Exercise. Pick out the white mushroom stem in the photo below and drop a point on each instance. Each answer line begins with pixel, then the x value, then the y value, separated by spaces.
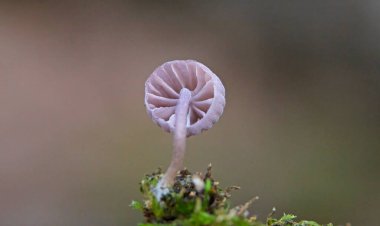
pixel 180 133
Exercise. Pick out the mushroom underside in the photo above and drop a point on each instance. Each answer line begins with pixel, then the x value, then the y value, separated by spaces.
pixel 165 85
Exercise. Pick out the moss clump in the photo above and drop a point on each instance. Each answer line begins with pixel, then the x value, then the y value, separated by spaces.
pixel 197 200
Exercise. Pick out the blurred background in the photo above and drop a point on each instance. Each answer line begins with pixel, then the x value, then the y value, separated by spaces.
pixel 300 129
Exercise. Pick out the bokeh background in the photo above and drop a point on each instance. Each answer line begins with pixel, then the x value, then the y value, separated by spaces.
pixel 300 129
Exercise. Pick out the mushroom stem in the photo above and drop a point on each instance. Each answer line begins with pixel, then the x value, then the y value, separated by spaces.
pixel 179 138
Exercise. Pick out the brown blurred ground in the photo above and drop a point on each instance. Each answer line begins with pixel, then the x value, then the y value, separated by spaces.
pixel 300 129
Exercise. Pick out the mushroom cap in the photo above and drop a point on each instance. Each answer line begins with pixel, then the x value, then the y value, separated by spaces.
pixel 162 90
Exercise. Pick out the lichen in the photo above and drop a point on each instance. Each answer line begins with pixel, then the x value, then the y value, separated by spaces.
pixel 194 202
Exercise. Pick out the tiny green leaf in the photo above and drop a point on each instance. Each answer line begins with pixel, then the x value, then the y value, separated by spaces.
pixel 136 205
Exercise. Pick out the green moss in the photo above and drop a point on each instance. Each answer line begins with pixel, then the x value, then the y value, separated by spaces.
pixel 200 204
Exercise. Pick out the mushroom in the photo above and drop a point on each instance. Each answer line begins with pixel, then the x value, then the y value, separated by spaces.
pixel 183 97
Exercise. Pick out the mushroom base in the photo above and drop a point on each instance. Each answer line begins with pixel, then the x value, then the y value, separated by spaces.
pixel 197 200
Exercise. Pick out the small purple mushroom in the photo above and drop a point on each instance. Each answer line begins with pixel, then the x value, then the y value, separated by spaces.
pixel 183 97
